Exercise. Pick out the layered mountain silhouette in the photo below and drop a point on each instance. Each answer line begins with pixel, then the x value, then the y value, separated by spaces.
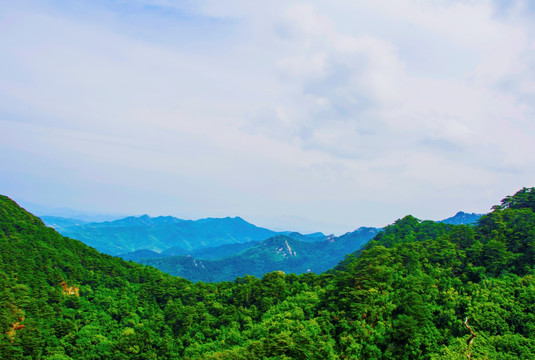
pixel 160 233
pixel 462 218
pixel 216 249
pixel 281 252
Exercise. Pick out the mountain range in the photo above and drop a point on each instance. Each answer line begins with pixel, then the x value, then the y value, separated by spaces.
pixel 160 233
pixel 217 249
pixel 417 290
pixel 68 213
pixel 462 218
pixel 281 252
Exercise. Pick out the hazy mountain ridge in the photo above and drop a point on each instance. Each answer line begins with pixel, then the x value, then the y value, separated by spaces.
pixel 278 253
pixel 150 237
pixel 139 255
pixel 58 222
pixel 462 218
pixel 68 213
pixel 220 251
pixel 211 252
pixel 160 233
pixel 317 236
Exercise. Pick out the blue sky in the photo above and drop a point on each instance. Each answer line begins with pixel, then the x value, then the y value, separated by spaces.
pixel 313 116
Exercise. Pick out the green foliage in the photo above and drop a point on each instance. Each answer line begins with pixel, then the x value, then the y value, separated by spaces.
pixel 404 296
pixel 524 198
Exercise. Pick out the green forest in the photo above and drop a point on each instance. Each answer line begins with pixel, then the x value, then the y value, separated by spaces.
pixel 418 290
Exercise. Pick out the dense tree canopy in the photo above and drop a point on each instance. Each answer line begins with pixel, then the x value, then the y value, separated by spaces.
pixel 405 295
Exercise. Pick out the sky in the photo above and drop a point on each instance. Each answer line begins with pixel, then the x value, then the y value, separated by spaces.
pixel 307 116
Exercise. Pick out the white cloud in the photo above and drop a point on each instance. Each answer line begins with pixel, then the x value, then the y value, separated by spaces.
pixel 340 112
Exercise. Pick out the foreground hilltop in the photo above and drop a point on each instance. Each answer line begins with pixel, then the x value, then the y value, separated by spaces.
pixel 406 295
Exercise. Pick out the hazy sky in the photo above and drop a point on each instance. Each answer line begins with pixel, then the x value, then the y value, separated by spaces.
pixel 311 116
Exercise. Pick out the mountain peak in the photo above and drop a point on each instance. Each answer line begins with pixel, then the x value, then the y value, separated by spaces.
pixel 462 218
pixel 282 245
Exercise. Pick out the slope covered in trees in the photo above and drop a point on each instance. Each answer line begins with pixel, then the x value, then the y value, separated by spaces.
pixel 406 295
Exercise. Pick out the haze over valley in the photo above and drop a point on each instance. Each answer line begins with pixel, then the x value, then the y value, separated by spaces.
pixel 214 249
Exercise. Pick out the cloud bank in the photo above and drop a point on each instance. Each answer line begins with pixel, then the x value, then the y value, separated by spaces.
pixel 289 114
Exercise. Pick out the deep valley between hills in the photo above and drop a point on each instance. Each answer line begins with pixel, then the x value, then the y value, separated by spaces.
pixel 218 249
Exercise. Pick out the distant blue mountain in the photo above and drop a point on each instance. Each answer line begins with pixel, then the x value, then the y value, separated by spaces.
pixel 212 249
pixel 211 252
pixel 215 249
pixel 318 236
pixel 68 213
pixel 280 252
pixel 217 252
pixel 462 218
pixel 160 233
pixel 58 222
pixel 141 254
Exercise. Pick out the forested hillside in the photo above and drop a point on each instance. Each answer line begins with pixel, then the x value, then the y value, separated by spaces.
pixel 406 295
